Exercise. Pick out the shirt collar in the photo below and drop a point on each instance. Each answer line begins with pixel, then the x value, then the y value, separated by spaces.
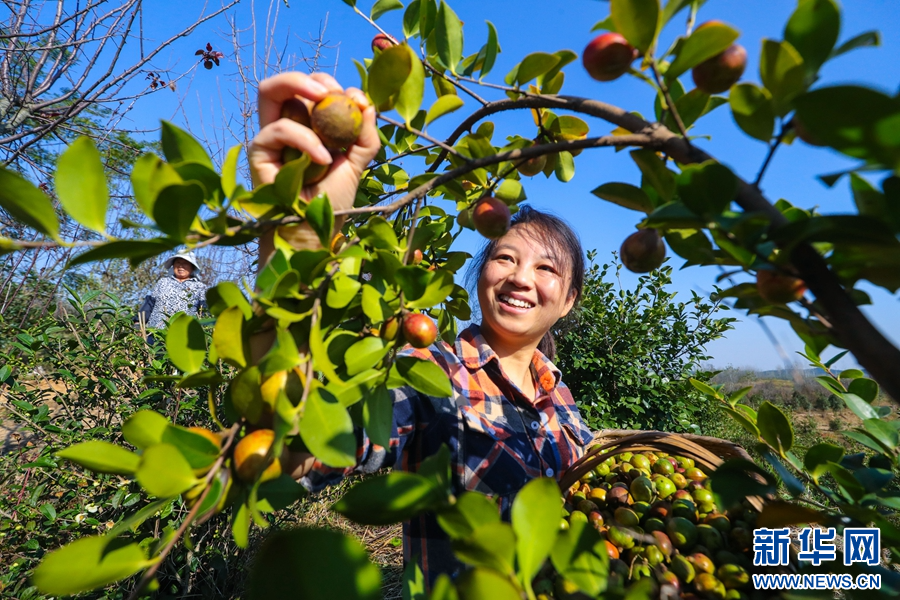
pixel 475 353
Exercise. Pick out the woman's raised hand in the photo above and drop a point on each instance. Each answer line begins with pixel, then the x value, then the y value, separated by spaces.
pixel 275 133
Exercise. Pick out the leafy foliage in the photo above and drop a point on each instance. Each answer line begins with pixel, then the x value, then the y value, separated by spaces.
pixel 627 355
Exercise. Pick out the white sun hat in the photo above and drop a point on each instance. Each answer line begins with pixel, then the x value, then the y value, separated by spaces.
pixel 188 256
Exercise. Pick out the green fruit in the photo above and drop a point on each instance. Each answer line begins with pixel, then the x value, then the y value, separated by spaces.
pixel 734 595
pixel 641 508
pixel 587 507
pixel 665 487
pixel 663 467
pixel 576 498
pixel 602 470
pixel 710 537
pixel 642 488
pixel 679 480
pixel 640 571
pixel 620 537
pixel 724 557
pixel 668 578
pixel 710 587
pixel 563 524
pixel 639 461
pixel 702 563
pixel 653 524
pixel 598 496
pixel 682 568
pixel 567 590
pixel 694 474
pixel 626 456
pixel 663 542
pixel 702 496
pixel 626 517
pixel 682 532
pixel 684 463
pixel 654 556
pixel 686 509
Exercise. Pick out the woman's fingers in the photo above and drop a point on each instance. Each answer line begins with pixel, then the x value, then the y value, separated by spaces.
pixel 328 81
pixel 265 151
pixel 275 90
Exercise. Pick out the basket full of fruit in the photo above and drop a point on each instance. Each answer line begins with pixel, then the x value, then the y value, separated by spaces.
pixel 648 495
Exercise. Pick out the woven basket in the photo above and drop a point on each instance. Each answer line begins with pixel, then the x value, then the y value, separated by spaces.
pixel 707 452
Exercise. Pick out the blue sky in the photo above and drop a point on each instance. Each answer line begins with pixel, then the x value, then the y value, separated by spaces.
pixel 528 26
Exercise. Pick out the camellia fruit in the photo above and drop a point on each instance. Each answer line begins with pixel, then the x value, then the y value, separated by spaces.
pixel 491 217
pixel 419 330
pixel 608 56
pixel 390 329
pixel 643 251
pixel 212 437
pixel 337 120
pixel 295 110
pixel 417 256
pixel 250 455
pixel 717 74
pixel 777 288
pixel 382 42
pixel 533 166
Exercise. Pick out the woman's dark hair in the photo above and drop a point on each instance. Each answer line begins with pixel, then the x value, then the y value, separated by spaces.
pixel 565 249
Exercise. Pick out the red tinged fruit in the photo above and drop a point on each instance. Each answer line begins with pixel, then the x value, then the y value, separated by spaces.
pixel 717 74
pixel 419 330
pixel 608 56
pixel 777 288
pixel 491 217
pixel 417 256
pixel 382 42
pixel 643 251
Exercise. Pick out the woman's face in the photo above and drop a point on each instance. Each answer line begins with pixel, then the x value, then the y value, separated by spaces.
pixel 523 289
pixel 182 268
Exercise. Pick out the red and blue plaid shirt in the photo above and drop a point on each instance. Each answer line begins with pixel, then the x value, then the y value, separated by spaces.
pixel 499 439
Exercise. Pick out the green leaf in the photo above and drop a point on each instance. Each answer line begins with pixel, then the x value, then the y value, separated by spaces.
pixel 534 65
pixel 176 207
pixel 748 425
pixel 27 204
pixel 199 451
pixel 580 556
pixel 136 251
pixel 101 457
pixel 817 458
pixel 229 170
pixel 391 498
pixel 782 72
pixel 327 429
pixel 364 354
pixel 186 343
pixel 383 6
pixel 672 8
pixel 707 188
pixel 774 427
pixel 471 511
pixel 245 394
pixel 655 172
pixel 164 472
pixel 448 36
pixel 228 336
pixel 813 30
pixel 411 18
pixel 492 546
pixel 279 493
pixel 565 166
pixel 87 564
pixel 443 106
pixel 144 429
pixel 313 563
pixel 492 48
pixel 793 485
pixel 865 388
pixel 320 217
pixel 225 295
pixel 436 291
pixel 868 39
pixel 477 584
pixel 704 43
pixel 149 175
pixel 341 291
pixel 374 306
pixel 510 190
pixel 409 98
pixel 535 521
pixel 705 388
pixel 735 479
pixel 860 407
pixel 753 111
pixel 388 72
pixel 847 481
pixel 883 432
pixel 636 20
pixel 81 184
pixel 378 415
pixel 179 146
pixel 424 376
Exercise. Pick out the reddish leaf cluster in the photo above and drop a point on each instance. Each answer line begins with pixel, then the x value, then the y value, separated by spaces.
pixel 208 56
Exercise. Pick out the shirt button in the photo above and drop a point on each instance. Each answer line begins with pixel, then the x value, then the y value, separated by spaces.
pixel 549 472
pixel 535 425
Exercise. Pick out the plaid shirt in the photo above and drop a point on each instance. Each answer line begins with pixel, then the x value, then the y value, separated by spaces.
pixel 499 439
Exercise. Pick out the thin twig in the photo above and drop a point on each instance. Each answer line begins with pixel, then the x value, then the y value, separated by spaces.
pixel 665 91
pixel 772 148
pixel 421 134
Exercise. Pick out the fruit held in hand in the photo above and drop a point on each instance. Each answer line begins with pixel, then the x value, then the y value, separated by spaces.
pixel 382 42
pixel 777 288
pixel 296 110
pixel 419 330
pixel 717 74
pixel 643 251
pixel 337 120
pixel 491 217
pixel 250 455
pixel 608 56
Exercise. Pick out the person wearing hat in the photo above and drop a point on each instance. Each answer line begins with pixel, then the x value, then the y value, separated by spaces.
pixel 179 290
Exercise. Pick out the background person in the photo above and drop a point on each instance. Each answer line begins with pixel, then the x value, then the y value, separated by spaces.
pixel 510 418
pixel 179 290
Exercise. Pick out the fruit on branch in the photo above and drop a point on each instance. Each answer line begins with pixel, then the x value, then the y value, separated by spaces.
pixel 717 74
pixel 250 457
pixel 491 217
pixel 212 437
pixel 390 330
pixel 295 110
pixel 337 242
pixel 419 330
pixel 533 166
pixel 608 56
pixel 643 251
pixel 382 42
pixel 777 288
pixel 337 120
pixel 417 257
